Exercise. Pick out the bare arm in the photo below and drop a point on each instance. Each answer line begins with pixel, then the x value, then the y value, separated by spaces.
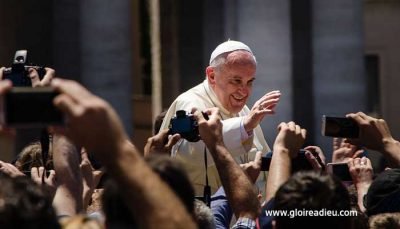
pixel 362 175
pixel 287 144
pixel 239 190
pixel 68 198
pixel 151 201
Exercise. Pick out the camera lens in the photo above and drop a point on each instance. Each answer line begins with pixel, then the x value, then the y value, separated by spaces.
pixel 20 59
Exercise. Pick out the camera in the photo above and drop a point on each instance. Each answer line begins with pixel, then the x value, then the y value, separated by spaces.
pixel 18 73
pixel 339 127
pixel 28 107
pixel 185 125
pixel 299 163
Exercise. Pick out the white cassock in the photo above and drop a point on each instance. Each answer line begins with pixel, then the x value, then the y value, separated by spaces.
pixel 242 146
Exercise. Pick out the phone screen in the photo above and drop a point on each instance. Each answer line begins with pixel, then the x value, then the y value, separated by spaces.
pixel 339 127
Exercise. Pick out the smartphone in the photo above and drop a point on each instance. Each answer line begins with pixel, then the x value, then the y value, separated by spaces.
pixel 340 170
pixel 299 163
pixel 27 107
pixel 341 127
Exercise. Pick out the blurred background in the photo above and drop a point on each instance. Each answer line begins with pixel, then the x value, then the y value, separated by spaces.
pixel 326 57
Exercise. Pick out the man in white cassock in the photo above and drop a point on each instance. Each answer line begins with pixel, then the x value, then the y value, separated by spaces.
pixel 228 85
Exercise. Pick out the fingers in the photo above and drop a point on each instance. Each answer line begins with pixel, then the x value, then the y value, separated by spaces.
pixel 67 105
pixel 258 158
pixel 172 141
pixel 1 72
pixel 52 175
pixel 268 101
pixel 5 85
pixel 313 161
pixel 336 143
pixel 358 153
pixel 358 117
pixel 71 88
pixel 34 76
pixel 50 74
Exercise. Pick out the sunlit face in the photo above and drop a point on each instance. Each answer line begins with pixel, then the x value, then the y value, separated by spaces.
pixel 232 82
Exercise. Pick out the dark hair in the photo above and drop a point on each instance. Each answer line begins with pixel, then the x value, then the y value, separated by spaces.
pixel 25 205
pixel 312 191
pixel 384 193
pixel 172 172
pixel 117 213
pixel 31 156
pixel 385 220
pixel 158 121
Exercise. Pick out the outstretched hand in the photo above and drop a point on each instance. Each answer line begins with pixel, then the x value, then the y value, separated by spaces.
pixel 265 105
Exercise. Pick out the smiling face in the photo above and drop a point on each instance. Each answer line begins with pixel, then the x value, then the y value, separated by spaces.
pixel 232 80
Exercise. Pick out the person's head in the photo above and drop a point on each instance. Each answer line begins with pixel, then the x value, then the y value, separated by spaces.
pixel 231 74
pixel 385 220
pixel 170 171
pixel 158 121
pixel 31 156
pixel 383 195
pixel 203 215
pixel 23 204
pixel 81 222
pixel 316 192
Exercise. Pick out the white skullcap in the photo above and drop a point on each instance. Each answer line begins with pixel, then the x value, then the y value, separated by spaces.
pixel 229 46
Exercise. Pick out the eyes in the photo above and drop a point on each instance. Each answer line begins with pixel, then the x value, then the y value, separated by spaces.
pixel 239 82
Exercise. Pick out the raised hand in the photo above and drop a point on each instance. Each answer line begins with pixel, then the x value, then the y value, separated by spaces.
pixel 265 105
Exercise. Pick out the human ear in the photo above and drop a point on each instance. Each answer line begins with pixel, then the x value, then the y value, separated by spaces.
pixel 210 73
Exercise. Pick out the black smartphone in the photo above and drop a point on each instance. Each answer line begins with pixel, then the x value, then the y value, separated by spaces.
pixel 27 107
pixel 299 163
pixel 341 170
pixel 341 127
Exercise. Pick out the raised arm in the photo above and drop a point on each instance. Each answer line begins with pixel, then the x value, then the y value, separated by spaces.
pixel 68 199
pixel 96 126
pixel 287 144
pixel 239 190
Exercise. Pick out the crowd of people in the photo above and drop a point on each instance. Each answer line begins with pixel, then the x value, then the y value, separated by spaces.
pixel 91 175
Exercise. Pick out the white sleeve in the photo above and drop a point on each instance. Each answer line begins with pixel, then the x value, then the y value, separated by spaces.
pixel 236 140
pixel 232 135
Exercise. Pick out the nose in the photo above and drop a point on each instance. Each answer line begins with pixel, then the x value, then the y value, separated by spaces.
pixel 243 90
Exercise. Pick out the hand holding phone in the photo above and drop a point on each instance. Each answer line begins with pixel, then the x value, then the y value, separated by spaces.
pixel 339 127
pixel 298 163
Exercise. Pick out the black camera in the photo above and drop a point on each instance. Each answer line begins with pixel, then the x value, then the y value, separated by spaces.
pixel 28 107
pixel 339 127
pixel 18 73
pixel 299 163
pixel 185 125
